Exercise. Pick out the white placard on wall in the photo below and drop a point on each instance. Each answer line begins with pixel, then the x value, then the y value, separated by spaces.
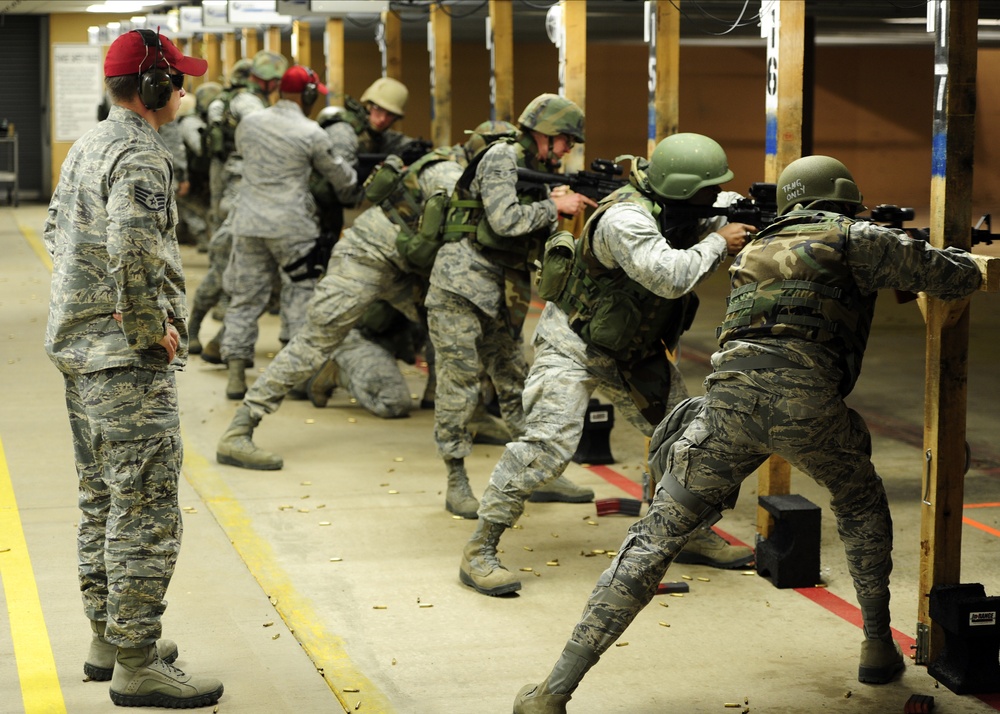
pixel 78 86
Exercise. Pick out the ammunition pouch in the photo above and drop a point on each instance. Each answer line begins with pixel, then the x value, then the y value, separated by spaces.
pixel 617 318
pixel 381 183
pixel 420 248
pixel 557 264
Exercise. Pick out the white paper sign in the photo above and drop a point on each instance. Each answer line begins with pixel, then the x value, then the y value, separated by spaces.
pixel 78 89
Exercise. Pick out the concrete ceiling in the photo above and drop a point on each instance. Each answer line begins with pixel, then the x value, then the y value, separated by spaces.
pixel 702 21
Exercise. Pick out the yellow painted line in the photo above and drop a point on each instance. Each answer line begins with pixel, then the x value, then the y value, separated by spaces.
pixel 36 667
pixel 35 241
pixel 326 650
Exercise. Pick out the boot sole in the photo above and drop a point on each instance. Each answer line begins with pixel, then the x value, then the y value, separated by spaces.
pixel 700 560
pixel 230 461
pixel 879 675
pixel 158 699
pixel 492 592
pixel 103 674
pixel 471 516
pixel 547 497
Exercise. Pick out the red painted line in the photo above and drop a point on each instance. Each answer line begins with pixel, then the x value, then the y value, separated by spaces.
pixel 821 596
pixel 981 505
pixel 981 526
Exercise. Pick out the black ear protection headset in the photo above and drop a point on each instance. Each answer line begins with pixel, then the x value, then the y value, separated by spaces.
pixel 310 92
pixel 155 87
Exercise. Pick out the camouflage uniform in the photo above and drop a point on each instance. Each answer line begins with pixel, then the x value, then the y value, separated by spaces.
pixel 365 266
pixel 475 311
pixel 566 370
pixel 110 232
pixel 193 208
pixel 275 222
pixel 778 389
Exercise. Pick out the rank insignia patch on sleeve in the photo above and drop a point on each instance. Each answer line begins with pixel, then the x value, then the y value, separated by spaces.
pixel 149 200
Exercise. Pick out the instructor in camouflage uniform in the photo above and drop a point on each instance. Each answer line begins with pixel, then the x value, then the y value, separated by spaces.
pixel 274 222
pixel 627 260
pixel 790 351
pixel 116 331
pixel 480 286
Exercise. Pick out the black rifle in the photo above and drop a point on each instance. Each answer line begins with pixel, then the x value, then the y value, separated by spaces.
pixel 894 217
pixel 409 153
pixel 597 183
pixel 759 210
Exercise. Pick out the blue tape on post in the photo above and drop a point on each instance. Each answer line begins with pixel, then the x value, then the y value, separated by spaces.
pixel 771 136
pixel 939 159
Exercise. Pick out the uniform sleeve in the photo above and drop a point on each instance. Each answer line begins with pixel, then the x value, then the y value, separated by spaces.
pixel 439 177
pixel 628 237
pixel 341 175
pixel 345 145
pixel 497 177
pixel 138 203
pixel 882 257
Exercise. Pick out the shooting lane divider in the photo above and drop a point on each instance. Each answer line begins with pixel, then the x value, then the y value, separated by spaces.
pixel 36 666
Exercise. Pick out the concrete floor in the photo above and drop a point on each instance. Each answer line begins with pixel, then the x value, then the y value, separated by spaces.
pixel 332 585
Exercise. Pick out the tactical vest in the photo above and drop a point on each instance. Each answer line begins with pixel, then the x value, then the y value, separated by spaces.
pixel 222 134
pixel 356 115
pixel 396 190
pixel 793 281
pixel 467 217
pixel 612 312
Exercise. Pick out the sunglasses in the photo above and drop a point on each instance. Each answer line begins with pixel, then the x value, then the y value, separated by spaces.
pixel 177 80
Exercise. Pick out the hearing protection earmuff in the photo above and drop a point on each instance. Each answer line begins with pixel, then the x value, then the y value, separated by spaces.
pixel 155 87
pixel 310 92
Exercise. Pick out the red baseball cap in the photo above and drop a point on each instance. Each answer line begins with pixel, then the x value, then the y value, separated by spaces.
pixel 129 55
pixel 296 77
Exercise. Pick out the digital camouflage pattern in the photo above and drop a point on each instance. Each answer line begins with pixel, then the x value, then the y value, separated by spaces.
pixel 110 233
pixel 566 370
pixel 552 115
pixel 274 223
pixel 795 412
pixel 365 266
pixel 473 318
pixel 371 374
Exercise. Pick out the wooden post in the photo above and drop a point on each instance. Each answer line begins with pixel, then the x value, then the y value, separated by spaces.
pixel 947 353
pixel 502 61
pixel 665 39
pixel 251 42
pixel 392 57
pixel 783 144
pixel 335 61
pixel 440 76
pixel 301 43
pixel 575 83
pixel 272 40
pixel 214 59
pixel 229 53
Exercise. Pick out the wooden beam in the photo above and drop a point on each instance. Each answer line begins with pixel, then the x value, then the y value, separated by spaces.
pixel 665 108
pixel 947 351
pixel 392 60
pixel 335 61
pixel 251 42
pixel 301 43
pixel 441 76
pixel 784 23
pixel 502 60
pixel 229 53
pixel 213 56
pixel 272 40
pixel 575 79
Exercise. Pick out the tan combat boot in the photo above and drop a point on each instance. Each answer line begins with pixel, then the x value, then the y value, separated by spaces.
pixel 321 385
pixel 551 696
pixel 100 663
pixel 236 387
pixel 561 490
pixel 142 679
pixel 706 547
pixel 459 499
pixel 236 447
pixel 481 569
pixel 881 658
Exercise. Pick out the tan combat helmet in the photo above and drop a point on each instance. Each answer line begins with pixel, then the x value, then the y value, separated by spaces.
pixel 240 74
pixel 388 93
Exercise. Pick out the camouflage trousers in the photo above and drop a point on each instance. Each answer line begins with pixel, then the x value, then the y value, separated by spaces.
pixel 467 341
pixel 248 279
pixel 353 281
pixel 371 374
pixel 209 291
pixel 747 417
pixel 127 446
pixel 556 395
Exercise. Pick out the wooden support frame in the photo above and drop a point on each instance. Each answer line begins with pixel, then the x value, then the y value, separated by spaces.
pixel 502 60
pixel 784 27
pixel 230 53
pixel 251 42
pixel 301 43
pixel 574 79
pixel 334 40
pixel 664 103
pixel 945 384
pixel 440 76
pixel 272 40
pixel 392 38
pixel 213 56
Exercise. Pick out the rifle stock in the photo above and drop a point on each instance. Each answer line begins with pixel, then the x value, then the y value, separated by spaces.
pixel 595 184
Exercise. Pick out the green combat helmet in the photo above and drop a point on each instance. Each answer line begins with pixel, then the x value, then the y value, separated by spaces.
pixel 388 93
pixel 816 178
pixel 268 65
pixel 486 133
pixel 240 74
pixel 552 115
pixel 683 164
pixel 205 94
